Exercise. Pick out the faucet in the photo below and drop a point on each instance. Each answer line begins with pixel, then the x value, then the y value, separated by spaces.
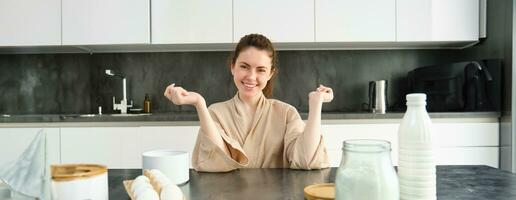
pixel 122 106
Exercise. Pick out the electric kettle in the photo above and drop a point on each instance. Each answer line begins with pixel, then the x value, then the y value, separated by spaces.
pixel 378 96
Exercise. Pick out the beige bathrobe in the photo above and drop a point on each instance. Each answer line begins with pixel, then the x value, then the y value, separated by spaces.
pixel 271 139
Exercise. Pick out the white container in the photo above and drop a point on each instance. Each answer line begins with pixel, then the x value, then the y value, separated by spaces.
pixel 174 164
pixel 417 174
pixel 366 171
pixel 80 181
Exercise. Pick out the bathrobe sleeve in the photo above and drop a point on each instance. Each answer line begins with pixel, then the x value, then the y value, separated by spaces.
pixel 208 157
pixel 294 148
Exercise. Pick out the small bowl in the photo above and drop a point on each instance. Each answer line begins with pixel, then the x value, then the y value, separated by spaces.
pixel 174 164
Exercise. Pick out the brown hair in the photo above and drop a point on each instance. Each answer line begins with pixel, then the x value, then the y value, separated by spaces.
pixel 262 43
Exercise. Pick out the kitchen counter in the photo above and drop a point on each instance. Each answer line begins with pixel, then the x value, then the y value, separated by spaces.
pixel 453 182
pixel 192 117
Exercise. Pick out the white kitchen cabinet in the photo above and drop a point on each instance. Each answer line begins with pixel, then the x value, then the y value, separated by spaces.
pixel 195 21
pixel 437 20
pixel 177 138
pixel 355 21
pixel 468 156
pixel 115 147
pixel 14 141
pixel 30 22
pixel 336 134
pixel 90 22
pixel 280 21
pixel 457 143
pixel 466 134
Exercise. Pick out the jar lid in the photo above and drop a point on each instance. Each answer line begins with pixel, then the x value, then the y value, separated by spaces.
pixel 322 191
pixel 69 172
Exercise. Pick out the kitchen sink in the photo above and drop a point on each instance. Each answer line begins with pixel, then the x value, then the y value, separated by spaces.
pixel 108 115
pixel 88 115
pixel 129 115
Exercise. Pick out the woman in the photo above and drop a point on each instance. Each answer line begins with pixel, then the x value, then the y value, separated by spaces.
pixel 250 130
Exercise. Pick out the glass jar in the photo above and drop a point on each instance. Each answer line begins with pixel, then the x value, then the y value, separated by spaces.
pixel 366 171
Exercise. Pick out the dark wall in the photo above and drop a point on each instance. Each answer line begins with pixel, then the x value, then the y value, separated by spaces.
pixel 40 84
pixel 75 83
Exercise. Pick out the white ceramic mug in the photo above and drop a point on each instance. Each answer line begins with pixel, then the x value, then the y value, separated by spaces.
pixel 174 164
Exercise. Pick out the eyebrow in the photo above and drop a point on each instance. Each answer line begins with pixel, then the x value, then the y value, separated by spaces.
pixel 244 63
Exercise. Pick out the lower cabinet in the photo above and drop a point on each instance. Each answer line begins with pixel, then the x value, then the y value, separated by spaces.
pixel 122 147
pixel 334 136
pixel 14 141
pixel 115 147
pixel 177 138
pixel 456 143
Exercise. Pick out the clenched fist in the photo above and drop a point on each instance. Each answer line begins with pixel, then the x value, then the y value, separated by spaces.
pixel 180 96
pixel 321 94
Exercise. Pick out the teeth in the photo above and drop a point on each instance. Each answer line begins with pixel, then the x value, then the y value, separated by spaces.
pixel 249 85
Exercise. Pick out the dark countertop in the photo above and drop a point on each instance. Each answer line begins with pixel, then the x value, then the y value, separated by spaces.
pixel 191 116
pixel 453 182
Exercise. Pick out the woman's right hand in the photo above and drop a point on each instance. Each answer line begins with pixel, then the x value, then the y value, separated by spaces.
pixel 180 96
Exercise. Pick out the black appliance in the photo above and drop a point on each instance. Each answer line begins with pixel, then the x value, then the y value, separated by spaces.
pixel 461 86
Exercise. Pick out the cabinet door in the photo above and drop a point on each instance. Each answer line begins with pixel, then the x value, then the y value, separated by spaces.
pixel 178 138
pixel 355 21
pixel 468 156
pixel 280 21
pixel 437 20
pixel 336 134
pixel 115 147
pixel 14 141
pixel 466 134
pixel 30 22
pixel 457 143
pixel 105 22
pixel 194 21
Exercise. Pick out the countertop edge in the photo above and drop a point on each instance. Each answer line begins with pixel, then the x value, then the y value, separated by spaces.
pixel 196 123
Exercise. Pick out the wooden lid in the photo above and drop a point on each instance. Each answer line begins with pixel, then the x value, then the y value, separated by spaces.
pixel 322 191
pixel 71 172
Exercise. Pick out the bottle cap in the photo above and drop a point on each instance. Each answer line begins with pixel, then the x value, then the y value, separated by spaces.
pixel 416 97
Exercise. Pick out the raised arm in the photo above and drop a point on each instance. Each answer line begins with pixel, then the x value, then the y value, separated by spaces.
pixel 180 96
pixel 311 136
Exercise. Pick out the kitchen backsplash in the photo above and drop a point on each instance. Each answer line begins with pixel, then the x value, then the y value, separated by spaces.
pixel 76 83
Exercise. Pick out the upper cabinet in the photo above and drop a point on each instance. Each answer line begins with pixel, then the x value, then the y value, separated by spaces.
pixel 30 22
pixel 90 22
pixel 194 21
pixel 355 20
pixel 280 21
pixel 437 20
pixel 197 25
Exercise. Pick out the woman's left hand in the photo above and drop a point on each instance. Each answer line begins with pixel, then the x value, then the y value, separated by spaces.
pixel 322 93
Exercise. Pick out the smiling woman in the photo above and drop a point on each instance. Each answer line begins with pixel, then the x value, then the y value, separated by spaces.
pixel 252 130
pixel 259 56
